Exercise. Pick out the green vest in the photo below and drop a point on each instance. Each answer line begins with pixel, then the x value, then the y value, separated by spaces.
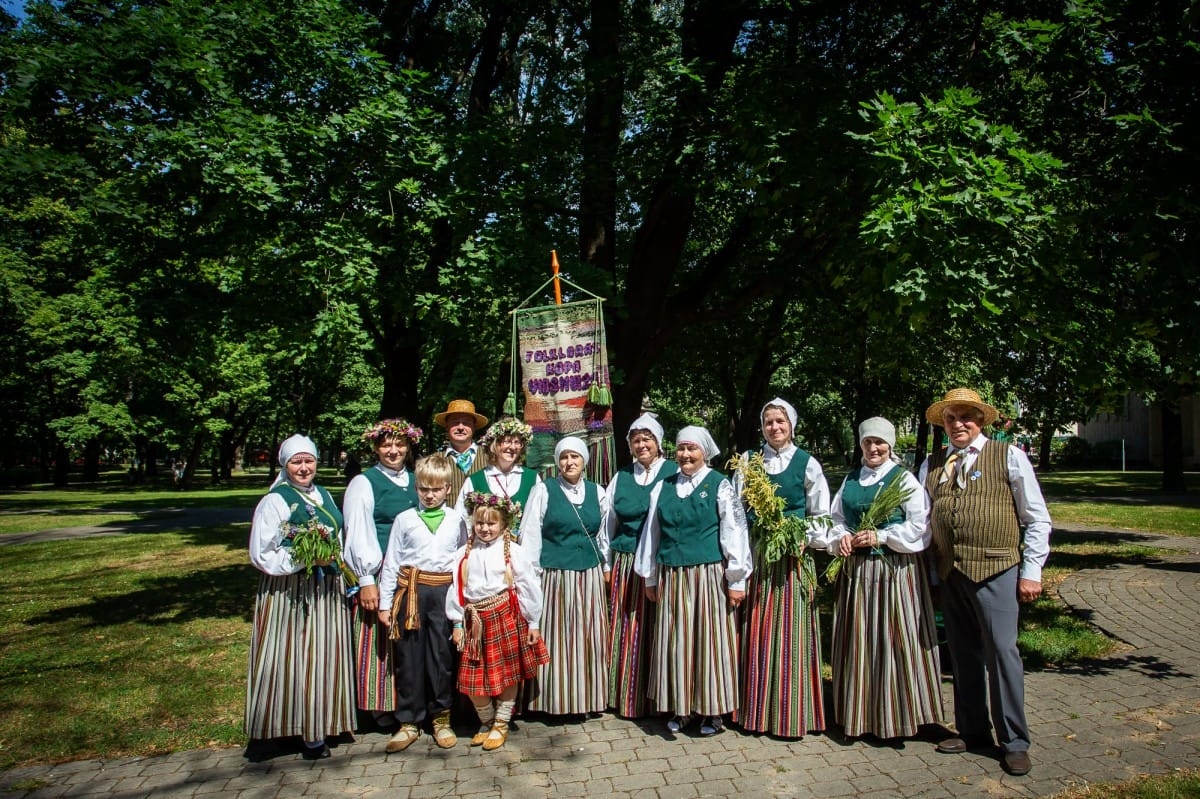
pixel 569 532
pixel 791 484
pixel 328 514
pixel 480 483
pixel 690 528
pixel 856 497
pixel 390 501
pixel 975 528
pixel 631 503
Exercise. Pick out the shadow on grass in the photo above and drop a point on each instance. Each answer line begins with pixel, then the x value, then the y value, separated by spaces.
pixel 223 592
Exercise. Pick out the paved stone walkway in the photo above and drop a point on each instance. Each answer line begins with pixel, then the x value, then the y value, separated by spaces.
pixel 1132 714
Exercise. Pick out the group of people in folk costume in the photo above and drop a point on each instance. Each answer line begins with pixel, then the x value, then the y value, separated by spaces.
pixel 644 596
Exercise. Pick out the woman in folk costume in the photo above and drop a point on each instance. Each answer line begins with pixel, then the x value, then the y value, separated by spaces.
pixel 372 502
pixel 495 604
pixel 412 595
pixel 631 615
pixel 563 531
pixel 886 675
pixel 505 444
pixel 300 680
pixel 694 555
pixel 782 645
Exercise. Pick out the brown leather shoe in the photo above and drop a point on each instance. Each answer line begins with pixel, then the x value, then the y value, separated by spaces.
pixel 1017 763
pixel 964 743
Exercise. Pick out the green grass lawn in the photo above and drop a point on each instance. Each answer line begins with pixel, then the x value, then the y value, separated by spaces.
pixel 1125 500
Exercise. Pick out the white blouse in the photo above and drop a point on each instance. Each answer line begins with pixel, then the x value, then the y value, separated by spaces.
pixel 362 553
pixel 534 513
pixel 485 578
pixel 266 533
pixel 734 533
pixel 911 535
pixel 503 484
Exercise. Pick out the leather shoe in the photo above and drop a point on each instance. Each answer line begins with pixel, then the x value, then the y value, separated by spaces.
pixel 964 743
pixel 1017 763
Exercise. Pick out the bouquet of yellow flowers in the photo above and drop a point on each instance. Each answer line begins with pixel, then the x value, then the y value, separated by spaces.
pixel 772 534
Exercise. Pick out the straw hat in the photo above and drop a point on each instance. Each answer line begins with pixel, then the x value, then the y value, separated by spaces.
pixel 960 396
pixel 460 406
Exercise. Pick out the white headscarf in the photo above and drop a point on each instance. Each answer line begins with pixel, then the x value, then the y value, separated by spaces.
pixel 694 434
pixel 572 444
pixel 649 423
pixel 878 427
pixel 289 449
pixel 788 411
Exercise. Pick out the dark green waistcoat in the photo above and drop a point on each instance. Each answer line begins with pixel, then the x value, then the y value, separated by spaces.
pixel 690 528
pixel 390 501
pixel 569 532
pixel 856 497
pixel 327 514
pixel 482 485
pixel 791 485
pixel 975 528
pixel 631 503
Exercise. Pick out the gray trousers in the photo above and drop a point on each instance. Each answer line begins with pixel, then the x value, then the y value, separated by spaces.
pixel 981 632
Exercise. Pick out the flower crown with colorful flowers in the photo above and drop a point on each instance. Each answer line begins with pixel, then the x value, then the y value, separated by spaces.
pixel 392 428
pixel 478 499
pixel 508 426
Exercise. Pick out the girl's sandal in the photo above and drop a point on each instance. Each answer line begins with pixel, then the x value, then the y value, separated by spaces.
pixel 496 738
pixel 481 736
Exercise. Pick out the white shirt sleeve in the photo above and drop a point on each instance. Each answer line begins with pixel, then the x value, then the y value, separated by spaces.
pixel 816 489
pixel 645 560
pixel 362 553
pixel 528 585
pixel 603 540
pixel 454 609
pixel 391 564
pixel 827 538
pixel 1031 512
pixel 265 536
pixel 531 524
pixel 914 533
pixel 734 535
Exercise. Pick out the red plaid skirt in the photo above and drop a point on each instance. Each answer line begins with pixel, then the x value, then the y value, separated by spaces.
pixel 505 658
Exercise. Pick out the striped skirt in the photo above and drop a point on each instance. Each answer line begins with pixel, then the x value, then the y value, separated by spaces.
pixel 694 664
pixel 301 675
pixel 886 674
pixel 373 655
pixel 631 627
pixel 575 628
pixel 782 652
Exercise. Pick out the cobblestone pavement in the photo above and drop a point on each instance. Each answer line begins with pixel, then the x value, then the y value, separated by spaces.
pixel 1131 714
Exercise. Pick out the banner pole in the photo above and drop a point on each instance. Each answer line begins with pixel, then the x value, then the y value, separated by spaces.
pixel 554 270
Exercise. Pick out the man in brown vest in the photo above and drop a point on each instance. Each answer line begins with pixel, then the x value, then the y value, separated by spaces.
pixel 461 422
pixel 991 536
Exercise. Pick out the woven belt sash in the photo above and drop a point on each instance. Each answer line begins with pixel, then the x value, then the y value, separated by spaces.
pixel 406 597
pixel 473 623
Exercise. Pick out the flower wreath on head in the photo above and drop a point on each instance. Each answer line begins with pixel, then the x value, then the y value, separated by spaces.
pixel 508 426
pixel 478 499
pixel 392 428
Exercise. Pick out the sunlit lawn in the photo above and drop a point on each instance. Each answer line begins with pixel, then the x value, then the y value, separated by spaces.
pixel 1124 500
pixel 123 645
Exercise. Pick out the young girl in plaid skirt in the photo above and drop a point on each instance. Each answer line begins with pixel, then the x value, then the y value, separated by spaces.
pixel 495 605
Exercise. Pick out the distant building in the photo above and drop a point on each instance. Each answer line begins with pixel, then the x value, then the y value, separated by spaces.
pixel 1136 427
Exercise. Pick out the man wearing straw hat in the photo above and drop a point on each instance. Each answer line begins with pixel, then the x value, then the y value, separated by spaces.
pixel 991 536
pixel 460 422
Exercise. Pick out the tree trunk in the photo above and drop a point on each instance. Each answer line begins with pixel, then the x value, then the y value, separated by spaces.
pixel 91 461
pixel 923 440
pixel 1172 448
pixel 1045 440
pixel 62 464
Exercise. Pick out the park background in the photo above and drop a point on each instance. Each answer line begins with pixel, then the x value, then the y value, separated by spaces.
pixel 223 222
